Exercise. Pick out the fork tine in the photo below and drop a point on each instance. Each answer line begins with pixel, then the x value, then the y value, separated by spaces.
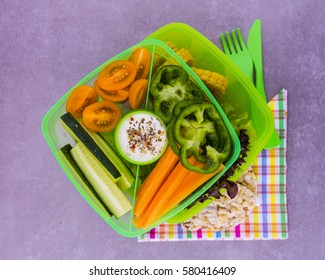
pixel 224 44
pixel 234 38
pixel 241 40
pixel 231 46
pixel 235 48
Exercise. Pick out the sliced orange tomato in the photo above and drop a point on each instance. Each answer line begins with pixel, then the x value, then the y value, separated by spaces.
pixel 137 93
pixel 111 95
pixel 101 116
pixel 141 57
pixel 117 75
pixel 80 98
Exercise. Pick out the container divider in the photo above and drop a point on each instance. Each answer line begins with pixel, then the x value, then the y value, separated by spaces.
pixel 136 183
pixel 150 74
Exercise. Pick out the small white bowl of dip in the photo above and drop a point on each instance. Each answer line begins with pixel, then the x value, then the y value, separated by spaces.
pixel 141 137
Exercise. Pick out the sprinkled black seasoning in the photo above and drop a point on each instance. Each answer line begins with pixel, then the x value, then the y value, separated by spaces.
pixel 143 136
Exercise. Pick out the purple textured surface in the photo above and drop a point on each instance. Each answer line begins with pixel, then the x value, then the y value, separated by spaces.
pixel 47 46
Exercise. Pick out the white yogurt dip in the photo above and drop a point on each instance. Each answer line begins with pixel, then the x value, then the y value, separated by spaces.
pixel 141 137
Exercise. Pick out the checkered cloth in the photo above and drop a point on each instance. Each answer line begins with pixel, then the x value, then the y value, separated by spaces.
pixel 268 220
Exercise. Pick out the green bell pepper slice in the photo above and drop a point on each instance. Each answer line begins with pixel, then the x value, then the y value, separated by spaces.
pixel 170 85
pixel 200 131
pixel 179 107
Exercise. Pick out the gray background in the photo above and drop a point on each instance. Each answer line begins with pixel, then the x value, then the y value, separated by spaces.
pixel 47 46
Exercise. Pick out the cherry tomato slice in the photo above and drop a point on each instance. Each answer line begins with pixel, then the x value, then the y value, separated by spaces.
pixel 141 57
pixel 137 94
pixel 101 116
pixel 112 95
pixel 117 75
pixel 80 98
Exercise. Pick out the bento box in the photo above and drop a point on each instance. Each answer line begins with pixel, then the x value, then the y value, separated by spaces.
pixel 58 137
pixel 241 96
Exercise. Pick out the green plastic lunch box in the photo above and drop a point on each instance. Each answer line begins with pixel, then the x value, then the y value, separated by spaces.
pixel 240 93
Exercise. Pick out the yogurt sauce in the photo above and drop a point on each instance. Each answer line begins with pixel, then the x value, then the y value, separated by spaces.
pixel 141 137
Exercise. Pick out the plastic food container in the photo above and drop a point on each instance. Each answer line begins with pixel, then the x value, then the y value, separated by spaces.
pixel 57 137
pixel 240 93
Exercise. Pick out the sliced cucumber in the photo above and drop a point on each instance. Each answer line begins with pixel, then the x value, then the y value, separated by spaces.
pixel 127 179
pixel 79 134
pixel 69 161
pixel 101 181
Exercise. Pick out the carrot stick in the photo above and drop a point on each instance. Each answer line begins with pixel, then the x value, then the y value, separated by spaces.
pixel 189 185
pixel 154 181
pixel 158 203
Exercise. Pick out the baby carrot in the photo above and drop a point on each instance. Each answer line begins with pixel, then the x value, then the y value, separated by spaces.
pixel 154 181
pixel 158 203
pixel 190 183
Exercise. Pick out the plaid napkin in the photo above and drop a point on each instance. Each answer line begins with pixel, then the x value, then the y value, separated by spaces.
pixel 268 220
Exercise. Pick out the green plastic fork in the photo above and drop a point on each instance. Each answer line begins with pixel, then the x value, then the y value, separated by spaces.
pixel 237 51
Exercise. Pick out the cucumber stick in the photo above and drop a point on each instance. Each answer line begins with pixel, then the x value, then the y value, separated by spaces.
pixel 65 152
pixel 79 134
pixel 127 179
pixel 101 181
